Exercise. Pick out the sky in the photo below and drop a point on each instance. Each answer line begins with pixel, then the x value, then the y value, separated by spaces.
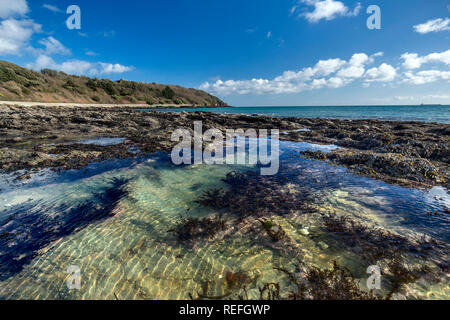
pixel 247 52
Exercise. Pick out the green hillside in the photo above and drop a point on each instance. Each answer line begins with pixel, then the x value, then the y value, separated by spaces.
pixel 20 84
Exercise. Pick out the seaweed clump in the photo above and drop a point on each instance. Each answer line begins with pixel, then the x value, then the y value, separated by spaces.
pixel 400 276
pixel 275 232
pixel 27 230
pixel 337 283
pixel 191 228
pixel 376 244
pixel 254 195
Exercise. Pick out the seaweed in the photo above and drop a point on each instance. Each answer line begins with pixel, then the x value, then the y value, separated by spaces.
pixel 29 230
pixel 301 288
pixel 253 195
pixel 270 291
pixel 191 228
pixel 337 283
pixel 275 231
pixel 376 243
pixel 400 276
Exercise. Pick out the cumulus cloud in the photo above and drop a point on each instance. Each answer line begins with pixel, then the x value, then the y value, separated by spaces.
pixel 108 68
pixel 15 29
pixel 355 67
pixel 414 61
pixel 328 10
pixel 337 73
pixel 426 76
pixel 331 73
pixel 383 73
pixel 435 25
pixel 78 67
pixel 11 8
pixel 15 34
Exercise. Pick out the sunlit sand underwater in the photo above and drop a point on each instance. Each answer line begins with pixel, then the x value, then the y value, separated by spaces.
pixel 114 219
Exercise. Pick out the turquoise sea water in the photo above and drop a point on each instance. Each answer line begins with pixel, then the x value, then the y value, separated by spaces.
pixel 440 114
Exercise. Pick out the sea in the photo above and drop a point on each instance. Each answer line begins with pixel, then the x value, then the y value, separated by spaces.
pixel 423 113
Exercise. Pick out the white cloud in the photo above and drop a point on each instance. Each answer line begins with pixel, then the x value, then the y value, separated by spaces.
pixel 53 46
pixel 78 67
pixel 42 62
pixel 51 8
pixel 337 73
pixel 15 34
pixel 435 25
pixel 414 61
pixel 10 8
pixel 331 73
pixel 355 67
pixel 383 73
pixel 326 67
pixel 426 76
pixel 328 10
pixel 108 68
pixel 269 34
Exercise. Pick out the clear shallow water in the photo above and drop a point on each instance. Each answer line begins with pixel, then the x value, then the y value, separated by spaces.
pixel 112 221
pixel 440 114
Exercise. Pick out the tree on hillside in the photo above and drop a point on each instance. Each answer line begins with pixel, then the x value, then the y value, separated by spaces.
pixel 168 93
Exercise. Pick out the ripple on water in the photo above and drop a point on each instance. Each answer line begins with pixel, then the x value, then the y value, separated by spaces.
pixel 131 254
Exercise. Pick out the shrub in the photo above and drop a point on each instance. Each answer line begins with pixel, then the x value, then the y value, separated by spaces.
pixel 96 98
pixel 108 86
pixel 49 72
pixel 92 84
pixel 69 84
pixel 7 74
pixel 168 93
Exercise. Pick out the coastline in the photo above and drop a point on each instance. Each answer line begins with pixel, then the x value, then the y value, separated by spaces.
pixel 410 154
pixel 102 105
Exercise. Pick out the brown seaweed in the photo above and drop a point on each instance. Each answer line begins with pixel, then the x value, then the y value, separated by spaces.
pixel 191 228
pixel 254 195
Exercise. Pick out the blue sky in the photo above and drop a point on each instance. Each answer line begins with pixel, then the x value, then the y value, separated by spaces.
pixel 248 52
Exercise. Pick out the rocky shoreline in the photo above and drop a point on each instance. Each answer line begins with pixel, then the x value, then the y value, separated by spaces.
pixel 410 154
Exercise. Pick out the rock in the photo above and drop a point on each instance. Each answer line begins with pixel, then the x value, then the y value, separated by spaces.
pixel 304 231
pixel 322 245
